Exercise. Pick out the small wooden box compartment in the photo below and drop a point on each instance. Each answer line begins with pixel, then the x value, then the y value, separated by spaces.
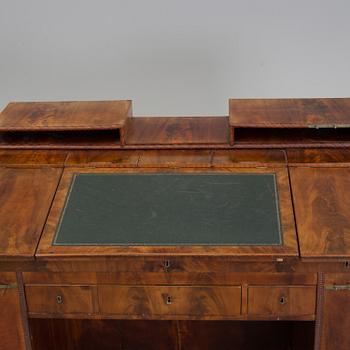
pixel 289 122
pixel 59 299
pixel 64 125
pixel 152 301
pixel 283 301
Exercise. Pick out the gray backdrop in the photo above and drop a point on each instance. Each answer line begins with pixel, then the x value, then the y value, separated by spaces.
pixel 183 57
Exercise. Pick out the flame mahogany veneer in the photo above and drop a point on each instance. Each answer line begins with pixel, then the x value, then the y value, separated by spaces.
pixel 291 295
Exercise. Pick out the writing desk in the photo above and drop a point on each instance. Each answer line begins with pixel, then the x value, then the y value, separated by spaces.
pixel 175 233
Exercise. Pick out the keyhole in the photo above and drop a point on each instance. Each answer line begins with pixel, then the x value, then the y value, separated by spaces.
pixel 168 300
pixel 59 299
pixel 283 300
pixel 166 265
pixel 347 264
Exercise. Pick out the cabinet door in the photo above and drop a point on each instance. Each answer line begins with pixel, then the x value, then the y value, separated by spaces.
pixel 335 333
pixel 11 331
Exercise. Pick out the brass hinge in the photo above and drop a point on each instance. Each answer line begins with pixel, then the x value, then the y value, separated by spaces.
pixel 8 286
pixel 337 287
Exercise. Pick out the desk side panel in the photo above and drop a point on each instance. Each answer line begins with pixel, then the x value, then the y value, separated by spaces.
pixel 335 333
pixel 11 328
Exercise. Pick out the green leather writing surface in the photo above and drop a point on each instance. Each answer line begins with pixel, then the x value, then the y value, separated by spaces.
pixel 171 209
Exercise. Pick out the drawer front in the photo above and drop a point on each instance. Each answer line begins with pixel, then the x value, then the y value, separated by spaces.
pixel 282 301
pixel 173 300
pixel 59 299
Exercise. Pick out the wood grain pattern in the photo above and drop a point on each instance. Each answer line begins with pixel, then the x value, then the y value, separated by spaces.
pixel 72 115
pixel 177 131
pixel 170 278
pixel 25 199
pixel 248 158
pixel 336 315
pixel 324 193
pixel 103 159
pixel 288 248
pixel 74 299
pixel 153 301
pixel 175 158
pixel 282 301
pixel 319 157
pixel 11 329
pixel 32 158
pixel 289 112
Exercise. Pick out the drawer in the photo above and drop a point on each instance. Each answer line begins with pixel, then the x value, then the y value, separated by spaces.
pixel 149 301
pixel 282 300
pixel 59 299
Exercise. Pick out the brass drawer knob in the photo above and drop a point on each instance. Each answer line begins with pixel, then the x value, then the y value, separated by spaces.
pixel 283 300
pixel 59 299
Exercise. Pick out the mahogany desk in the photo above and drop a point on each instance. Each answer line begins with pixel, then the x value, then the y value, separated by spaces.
pixel 175 233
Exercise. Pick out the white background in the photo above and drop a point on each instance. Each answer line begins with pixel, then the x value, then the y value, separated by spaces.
pixel 183 57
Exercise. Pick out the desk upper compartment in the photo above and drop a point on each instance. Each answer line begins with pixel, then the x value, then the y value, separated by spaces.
pixel 64 124
pixel 321 122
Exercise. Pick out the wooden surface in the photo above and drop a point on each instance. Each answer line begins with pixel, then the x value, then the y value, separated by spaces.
pixel 177 131
pixel 289 112
pixel 249 158
pixel 54 116
pixel 176 301
pixel 288 248
pixel 92 278
pixel 172 159
pixel 336 157
pixel 282 301
pixel 336 314
pixel 11 329
pixel 74 299
pixel 322 211
pixel 59 334
pixel 26 196
pixel 30 158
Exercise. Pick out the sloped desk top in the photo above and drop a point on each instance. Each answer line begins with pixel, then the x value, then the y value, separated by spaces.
pixel 118 211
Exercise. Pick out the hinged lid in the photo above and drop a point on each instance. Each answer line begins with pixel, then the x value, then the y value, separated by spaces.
pixel 322 211
pixel 55 116
pixel 294 113
pixel 290 122
pixel 64 125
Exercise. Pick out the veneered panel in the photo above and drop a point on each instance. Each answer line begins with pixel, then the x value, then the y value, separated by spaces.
pixel 175 131
pixel 289 112
pixel 11 329
pixel 25 199
pixel 322 211
pixel 72 115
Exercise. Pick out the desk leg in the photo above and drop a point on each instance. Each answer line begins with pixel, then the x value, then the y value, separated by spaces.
pixel 12 334
pixel 335 324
